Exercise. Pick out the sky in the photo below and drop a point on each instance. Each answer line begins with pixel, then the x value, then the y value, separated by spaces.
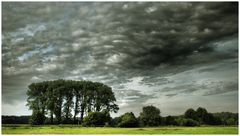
pixel 174 56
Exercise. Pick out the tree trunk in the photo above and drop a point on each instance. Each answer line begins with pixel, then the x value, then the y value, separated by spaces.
pixel 51 117
pixel 59 118
pixel 75 109
pixel 82 112
pixel 43 111
pixel 67 113
pixel 98 107
pixel 82 107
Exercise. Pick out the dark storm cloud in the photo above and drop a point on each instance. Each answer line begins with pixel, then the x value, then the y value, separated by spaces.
pixel 147 47
pixel 224 88
pixel 164 33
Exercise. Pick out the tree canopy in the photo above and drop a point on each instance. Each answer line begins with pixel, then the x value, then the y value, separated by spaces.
pixel 150 116
pixel 128 120
pixel 60 97
pixel 97 119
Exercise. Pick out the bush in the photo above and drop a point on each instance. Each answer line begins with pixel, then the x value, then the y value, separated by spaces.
pixel 37 118
pixel 128 120
pixel 186 122
pixel 96 119
pixel 217 121
pixel 190 122
pixel 169 120
pixel 15 119
pixel 230 121
pixel 115 121
pixel 67 121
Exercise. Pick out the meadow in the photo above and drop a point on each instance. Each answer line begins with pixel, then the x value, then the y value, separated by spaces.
pixel 75 129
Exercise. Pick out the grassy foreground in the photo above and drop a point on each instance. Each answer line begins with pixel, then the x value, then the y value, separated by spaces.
pixel 73 129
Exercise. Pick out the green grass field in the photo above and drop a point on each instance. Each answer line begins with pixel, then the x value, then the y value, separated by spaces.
pixel 73 129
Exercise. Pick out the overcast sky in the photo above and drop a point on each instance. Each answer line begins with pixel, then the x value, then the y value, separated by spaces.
pixel 171 55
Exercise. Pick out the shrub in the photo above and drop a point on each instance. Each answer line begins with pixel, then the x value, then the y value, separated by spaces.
pixel 37 118
pixel 96 119
pixel 169 120
pixel 190 122
pixel 115 121
pixel 230 121
pixel 128 120
pixel 186 122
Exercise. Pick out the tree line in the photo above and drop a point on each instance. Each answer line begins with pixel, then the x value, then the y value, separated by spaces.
pixel 15 119
pixel 90 103
pixel 150 116
pixel 68 101
pixel 146 118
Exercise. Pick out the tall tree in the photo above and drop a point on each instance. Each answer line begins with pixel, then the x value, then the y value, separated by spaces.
pixel 83 99
pixel 68 95
pixel 58 92
pixel 190 113
pixel 77 92
pixel 59 97
pixel 51 101
pixel 37 100
pixel 105 98
pixel 202 115
pixel 150 116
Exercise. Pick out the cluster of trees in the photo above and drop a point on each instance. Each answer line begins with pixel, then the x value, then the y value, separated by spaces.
pixel 97 118
pixel 227 118
pixel 201 116
pixel 90 103
pixel 67 101
pixel 15 119
pixel 150 116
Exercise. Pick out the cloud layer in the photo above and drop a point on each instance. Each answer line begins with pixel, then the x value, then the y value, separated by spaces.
pixel 148 53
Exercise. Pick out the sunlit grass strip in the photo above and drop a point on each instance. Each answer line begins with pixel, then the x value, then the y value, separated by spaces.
pixel 74 129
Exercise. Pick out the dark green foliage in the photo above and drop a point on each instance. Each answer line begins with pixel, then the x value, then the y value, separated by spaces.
pixel 127 120
pixel 190 122
pixel 181 121
pixel 37 118
pixel 230 121
pixel 191 114
pixel 227 118
pixel 97 119
pixel 60 97
pixel 202 116
pixel 150 116
pixel 208 119
pixel 115 121
pixel 67 101
pixel 15 119
pixel 169 120
pixel 217 121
